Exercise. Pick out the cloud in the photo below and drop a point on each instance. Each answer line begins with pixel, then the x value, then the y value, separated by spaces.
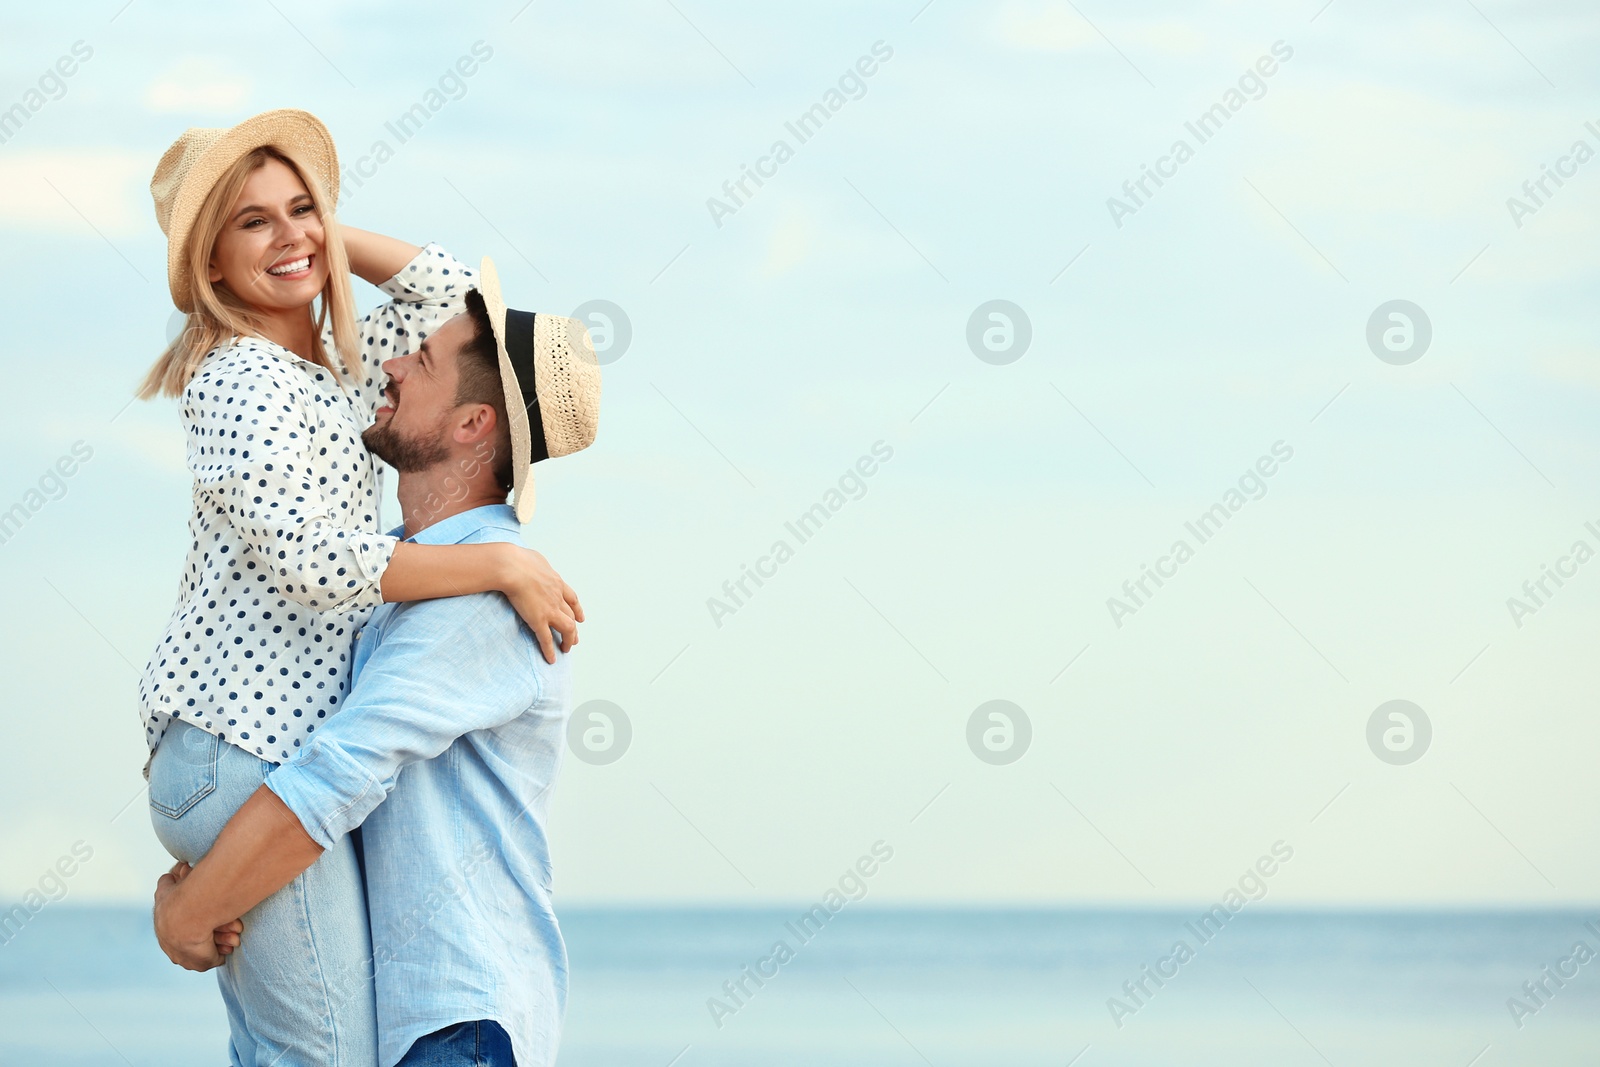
pixel 1037 29
pixel 1032 27
pixel 788 245
pixel 198 86
pixel 1573 364
pixel 75 192
pixel 1347 144
pixel 148 443
pixel 1415 175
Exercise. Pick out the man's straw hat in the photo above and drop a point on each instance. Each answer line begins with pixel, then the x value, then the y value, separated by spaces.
pixel 551 380
pixel 191 167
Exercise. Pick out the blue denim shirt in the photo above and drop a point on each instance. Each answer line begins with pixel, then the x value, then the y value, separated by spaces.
pixel 457 719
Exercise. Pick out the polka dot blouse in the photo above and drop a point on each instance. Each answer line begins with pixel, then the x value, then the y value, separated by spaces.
pixel 285 557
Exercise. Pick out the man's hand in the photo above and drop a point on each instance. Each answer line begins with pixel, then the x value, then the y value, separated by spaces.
pixel 544 601
pixel 195 951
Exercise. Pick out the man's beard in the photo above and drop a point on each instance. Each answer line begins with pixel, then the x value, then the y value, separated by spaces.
pixel 405 454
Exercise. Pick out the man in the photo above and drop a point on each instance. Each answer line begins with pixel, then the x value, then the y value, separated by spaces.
pixel 446 749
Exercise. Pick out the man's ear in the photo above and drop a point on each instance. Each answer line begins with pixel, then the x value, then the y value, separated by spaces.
pixel 477 423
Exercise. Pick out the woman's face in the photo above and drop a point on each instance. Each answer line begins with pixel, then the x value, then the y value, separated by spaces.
pixel 269 253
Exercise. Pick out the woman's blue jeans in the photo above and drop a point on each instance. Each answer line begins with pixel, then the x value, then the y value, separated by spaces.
pixel 298 989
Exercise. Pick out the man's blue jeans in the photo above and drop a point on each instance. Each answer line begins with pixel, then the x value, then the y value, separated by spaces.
pixel 475 1044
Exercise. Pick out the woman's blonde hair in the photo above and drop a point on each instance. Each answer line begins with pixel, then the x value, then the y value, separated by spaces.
pixel 219 314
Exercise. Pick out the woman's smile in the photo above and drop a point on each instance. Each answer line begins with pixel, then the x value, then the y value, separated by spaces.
pixel 292 269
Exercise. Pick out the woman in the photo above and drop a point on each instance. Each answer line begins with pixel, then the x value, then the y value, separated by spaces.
pixel 286 560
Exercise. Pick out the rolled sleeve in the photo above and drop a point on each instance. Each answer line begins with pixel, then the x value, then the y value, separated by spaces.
pixel 252 446
pixel 439 669
pixel 433 277
pixel 329 790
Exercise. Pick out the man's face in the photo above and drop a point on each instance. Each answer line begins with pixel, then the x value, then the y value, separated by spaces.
pixel 269 252
pixel 411 430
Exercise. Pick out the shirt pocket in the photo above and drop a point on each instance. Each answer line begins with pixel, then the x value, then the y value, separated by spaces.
pixel 184 770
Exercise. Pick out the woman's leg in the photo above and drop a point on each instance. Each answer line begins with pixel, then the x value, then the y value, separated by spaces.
pixel 298 989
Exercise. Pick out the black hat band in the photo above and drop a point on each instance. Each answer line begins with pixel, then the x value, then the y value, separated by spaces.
pixel 519 349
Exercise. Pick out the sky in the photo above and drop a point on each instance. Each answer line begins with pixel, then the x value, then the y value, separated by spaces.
pixel 1198 346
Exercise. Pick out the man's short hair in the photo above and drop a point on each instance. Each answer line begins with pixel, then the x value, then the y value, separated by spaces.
pixel 478 370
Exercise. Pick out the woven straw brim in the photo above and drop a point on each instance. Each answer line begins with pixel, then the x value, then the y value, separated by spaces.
pixel 566 381
pixel 516 414
pixel 190 169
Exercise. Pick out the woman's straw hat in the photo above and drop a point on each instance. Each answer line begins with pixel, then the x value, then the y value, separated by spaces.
pixel 190 168
pixel 551 380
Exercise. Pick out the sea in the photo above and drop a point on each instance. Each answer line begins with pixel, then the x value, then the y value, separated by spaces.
pixel 695 987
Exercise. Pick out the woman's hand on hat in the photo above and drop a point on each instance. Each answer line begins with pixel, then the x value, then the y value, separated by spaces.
pixel 544 601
